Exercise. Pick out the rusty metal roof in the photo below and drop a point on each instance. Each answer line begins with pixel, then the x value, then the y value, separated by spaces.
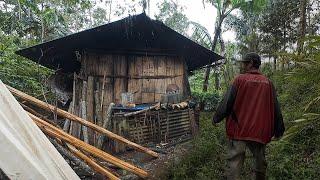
pixel 134 34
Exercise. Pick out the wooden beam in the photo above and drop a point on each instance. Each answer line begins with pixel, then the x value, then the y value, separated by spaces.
pixel 75 118
pixel 60 134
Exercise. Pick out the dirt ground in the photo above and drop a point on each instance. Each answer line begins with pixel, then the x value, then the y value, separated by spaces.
pixel 157 167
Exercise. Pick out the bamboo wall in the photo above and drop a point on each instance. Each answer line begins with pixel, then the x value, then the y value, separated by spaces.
pixel 103 78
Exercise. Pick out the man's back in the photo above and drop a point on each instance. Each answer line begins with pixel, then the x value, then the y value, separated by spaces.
pixel 252 115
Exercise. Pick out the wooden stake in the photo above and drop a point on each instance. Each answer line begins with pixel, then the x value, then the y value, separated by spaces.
pixel 103 84
pixel 67 122
pixel 58 133
pixel 98 112
pixel 106 122
pixel 75 118
pixel 90 107
pixel 84 112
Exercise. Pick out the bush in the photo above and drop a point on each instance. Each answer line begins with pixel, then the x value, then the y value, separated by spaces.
pixel 211 99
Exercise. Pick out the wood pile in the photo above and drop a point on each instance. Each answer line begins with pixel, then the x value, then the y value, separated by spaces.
pixel 77 149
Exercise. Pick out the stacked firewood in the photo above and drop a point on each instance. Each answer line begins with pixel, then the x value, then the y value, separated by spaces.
pixel 78 151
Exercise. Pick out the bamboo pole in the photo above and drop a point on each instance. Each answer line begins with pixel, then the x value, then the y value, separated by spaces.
pixel 60 134
pixel 95 166
pixel 75 118
pixel 92 163
pixel 72 156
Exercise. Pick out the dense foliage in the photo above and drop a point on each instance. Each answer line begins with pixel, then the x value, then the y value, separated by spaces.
pixel 296 155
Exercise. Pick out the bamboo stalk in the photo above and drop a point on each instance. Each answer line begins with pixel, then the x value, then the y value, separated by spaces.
pixel 70 155
pixel 75 118
pixel 30 110
pixel 92 163
pixel 58 133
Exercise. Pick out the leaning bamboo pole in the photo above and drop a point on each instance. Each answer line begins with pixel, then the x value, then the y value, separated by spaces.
pixel 92 163
pixel 75 118
pixel 60 134
pixel 74 151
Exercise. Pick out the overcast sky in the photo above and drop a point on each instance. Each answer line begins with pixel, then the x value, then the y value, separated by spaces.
pixel 193 9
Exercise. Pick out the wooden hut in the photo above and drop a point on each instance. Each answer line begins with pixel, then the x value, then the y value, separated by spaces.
pixel 136 55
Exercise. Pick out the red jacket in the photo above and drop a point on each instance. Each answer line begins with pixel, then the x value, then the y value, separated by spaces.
pixel 251 108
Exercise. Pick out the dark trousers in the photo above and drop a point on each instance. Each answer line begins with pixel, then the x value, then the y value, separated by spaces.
pixel 236 156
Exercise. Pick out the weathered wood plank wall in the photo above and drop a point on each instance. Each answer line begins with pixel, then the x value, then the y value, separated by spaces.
pixel 107 76
pixel 145 76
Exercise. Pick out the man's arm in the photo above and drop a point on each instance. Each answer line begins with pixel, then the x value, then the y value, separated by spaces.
pixel 225 107
pixel 278 119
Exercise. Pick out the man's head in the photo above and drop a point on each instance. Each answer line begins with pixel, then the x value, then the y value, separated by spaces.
pixel 249 62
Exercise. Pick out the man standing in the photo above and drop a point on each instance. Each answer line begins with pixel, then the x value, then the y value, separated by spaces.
pixel 253 117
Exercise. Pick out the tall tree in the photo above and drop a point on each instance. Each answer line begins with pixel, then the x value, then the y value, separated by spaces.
pixel 224 9
pixel 302 25
pixel 171 14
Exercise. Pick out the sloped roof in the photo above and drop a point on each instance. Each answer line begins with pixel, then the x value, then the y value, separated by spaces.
pixel 136 33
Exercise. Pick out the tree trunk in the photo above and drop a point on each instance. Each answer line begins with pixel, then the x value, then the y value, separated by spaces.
pixel 302 25
pixel 214 43
pixel 217 78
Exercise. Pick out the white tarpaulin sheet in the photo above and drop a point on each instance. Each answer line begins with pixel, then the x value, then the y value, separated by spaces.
pixel 25 152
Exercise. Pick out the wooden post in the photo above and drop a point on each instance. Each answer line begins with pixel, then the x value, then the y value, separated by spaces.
pixel 75 127
pixel 58 133
pixel 75 118
pixel 98 112
pixel 84 112
pixel 67 123
pixel 105 125
pixel 90 106
pixel 103 85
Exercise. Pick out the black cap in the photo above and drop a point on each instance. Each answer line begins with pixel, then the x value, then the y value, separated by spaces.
pixel 252 56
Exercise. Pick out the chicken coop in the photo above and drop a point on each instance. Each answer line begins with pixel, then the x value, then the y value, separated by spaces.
pixel 129 76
